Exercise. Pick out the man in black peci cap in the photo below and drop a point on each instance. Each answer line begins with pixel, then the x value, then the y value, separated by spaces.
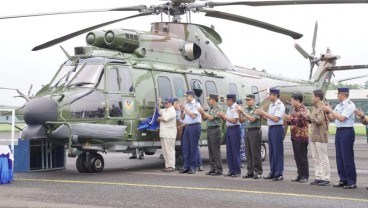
pixel 213 135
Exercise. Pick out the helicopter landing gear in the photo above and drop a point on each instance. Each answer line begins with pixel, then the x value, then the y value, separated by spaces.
pixel 91 162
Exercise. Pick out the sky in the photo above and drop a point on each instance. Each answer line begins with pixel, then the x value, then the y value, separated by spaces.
pixel 341 27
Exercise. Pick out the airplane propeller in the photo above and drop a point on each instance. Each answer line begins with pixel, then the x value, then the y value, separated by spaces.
pixel 176 8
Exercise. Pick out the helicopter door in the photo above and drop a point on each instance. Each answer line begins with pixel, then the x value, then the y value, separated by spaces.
pixel 119 86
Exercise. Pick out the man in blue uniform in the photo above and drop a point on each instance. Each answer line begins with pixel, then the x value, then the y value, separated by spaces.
pixel 192 120
pixel 344 116
pixel 232 136
pixel 275 120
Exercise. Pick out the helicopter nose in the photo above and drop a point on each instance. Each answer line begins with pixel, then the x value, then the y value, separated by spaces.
pixel 39 110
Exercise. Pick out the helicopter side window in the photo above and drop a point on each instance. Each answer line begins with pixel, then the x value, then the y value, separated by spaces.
pixel 211 88
pixel 234 89
pixel 179 87
pixel 196 86
pixel 256 93
pixel 126 81
pixel 164 87
pixel 114 80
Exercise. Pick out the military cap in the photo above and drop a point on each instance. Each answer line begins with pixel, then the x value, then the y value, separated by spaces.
pixel 168 100
pixel 231 96
pixel 274 91
pixel 213 96
pixel 189 92
pixel 239 102
pixel 342 89
pixel 250 96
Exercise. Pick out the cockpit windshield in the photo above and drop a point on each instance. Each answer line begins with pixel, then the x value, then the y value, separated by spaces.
pixel 89 76
pixel 79 75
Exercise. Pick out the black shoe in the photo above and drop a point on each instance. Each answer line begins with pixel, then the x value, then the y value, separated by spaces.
pixel 315 182
pixel 141 156
pixel 200 168
pixel 184 171
pixel 354 186
pixel 228 174
pixel 269 177
pixel 297 179
pixel 191 171
pixel 257 176
pixel 324 183
pixel 134 156
pixel 278 178
pixel 248 176
pixel 216 173
pixel 303 180
pixel 210 172
pixel 235 175
pixel 340 184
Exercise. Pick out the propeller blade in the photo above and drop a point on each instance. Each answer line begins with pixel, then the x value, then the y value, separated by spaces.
pixel 280 3
pixel 315 37
pixel 249 21
pixel 131 8
pixel 302 51
pixel 351 78
pixel 74 34
pixel 338 68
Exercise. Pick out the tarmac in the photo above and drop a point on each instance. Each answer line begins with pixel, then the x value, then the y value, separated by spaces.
pixel 141 183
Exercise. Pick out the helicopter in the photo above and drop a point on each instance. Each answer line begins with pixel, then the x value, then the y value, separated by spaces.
pixel 100 94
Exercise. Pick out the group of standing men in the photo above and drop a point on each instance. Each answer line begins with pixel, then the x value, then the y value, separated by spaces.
pixel 300 120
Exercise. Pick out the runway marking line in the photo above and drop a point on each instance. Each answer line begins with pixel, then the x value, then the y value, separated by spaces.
pixel 195 188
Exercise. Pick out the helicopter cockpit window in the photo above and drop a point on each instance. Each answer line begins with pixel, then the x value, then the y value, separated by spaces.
pixel 255 91
pixel 234 89
pixel 179 87
pixel 66 73
pixel 164 87
pixel 88 76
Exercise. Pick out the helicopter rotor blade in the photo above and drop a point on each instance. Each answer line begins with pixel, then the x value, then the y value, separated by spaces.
pixel 253 22
pixel 302 51
pixel 131 8
pixel 280 3
pixel 315 38
pixel 351 78
pixel 80 32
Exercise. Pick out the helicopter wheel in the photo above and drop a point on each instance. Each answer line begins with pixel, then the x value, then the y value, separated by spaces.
pixel 95 163
pixel 263 151
pixel 81 163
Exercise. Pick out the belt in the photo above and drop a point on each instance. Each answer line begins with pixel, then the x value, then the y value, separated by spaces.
pixel 275 125
pixel 192 124
pixel 213 127
pixel 253 128
pixel 343 128
pixel 233 126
